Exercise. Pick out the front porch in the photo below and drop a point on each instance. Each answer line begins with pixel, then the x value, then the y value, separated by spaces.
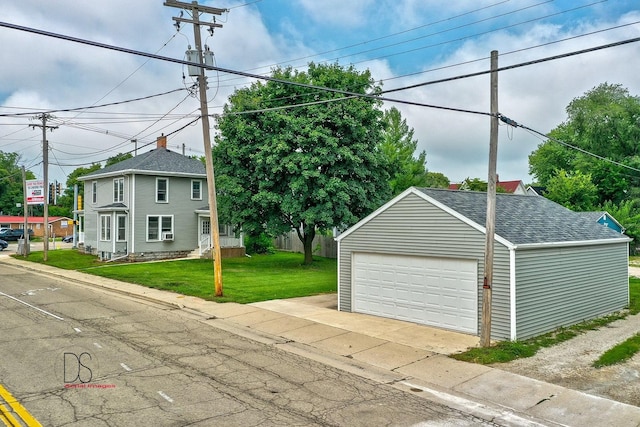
pixel 230 244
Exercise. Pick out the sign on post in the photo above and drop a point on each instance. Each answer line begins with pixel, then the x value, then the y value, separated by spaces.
pixel 35 192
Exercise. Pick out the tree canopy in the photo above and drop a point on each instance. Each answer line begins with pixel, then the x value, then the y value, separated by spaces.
pixel 604 121
pixel 11 185
pixel 308 168
pixel 399 147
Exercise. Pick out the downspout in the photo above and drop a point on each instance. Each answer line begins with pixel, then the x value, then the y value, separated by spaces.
pixel 339 302
pixel 512 294
pixel 132 217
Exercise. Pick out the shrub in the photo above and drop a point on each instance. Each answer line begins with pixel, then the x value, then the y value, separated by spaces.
pixel 260 244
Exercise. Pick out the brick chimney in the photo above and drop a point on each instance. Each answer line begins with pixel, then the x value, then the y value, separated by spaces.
pixel 162 142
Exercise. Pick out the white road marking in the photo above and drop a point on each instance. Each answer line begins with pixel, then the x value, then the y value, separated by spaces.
pixel 164 395
pixel 77 330
pixel 32 292
pixel 97 345
pixel 125 367
pixel 470 404
pixel 32 306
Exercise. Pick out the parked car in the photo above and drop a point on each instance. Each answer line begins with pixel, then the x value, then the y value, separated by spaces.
pixel 13 234
pixel 68 239
pixel 3 245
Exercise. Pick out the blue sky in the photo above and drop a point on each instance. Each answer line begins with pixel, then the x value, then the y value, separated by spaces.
pixel 402 42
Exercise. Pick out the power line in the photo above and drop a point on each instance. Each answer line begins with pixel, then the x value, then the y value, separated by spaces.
pixel 444 31
pixel 382 37
pixel 513 123
pixel 143 98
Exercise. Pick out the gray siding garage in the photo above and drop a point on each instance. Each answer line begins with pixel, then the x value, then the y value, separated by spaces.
pixel 420 258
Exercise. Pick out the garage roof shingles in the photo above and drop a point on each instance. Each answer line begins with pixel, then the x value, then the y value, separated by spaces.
pixel 523 219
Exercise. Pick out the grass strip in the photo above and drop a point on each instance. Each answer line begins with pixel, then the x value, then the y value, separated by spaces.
pixel 506 351
pixel 621 352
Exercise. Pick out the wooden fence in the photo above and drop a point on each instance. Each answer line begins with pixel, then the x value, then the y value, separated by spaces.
pixel 324 246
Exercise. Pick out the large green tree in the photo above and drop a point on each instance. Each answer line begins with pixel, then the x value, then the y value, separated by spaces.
pixel 308 168
pixel 399 147
pixel 604 121
pixel 11 184
pixel 572 190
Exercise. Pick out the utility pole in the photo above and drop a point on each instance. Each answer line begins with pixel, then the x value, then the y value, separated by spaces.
pixel 135 147
pixel 25 236
pixel 487 287
pixel 196 10
pixel 45 177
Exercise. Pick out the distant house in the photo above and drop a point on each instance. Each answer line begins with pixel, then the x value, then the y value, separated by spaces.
pixel 420 258
pixel 536 190
pixel 59 226
pixel 604 218
pixel 512 187
pixel 150 207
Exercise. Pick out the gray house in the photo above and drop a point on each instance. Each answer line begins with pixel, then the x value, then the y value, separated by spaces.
pixel 420 258
pixel 151 206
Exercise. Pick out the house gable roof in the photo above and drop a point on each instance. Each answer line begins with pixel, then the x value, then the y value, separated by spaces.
pixel 507 186
pixel 596 216
pixel 520 219
pixel 159 161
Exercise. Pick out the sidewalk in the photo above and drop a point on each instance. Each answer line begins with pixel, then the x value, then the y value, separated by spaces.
pixel 409 356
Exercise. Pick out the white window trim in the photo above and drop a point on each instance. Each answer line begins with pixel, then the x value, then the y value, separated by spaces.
pixel 117 228
pixel 94 192
pixel 118 190
pixel 167 190
pixel 160 230
pixel 199 181
pixel 105 237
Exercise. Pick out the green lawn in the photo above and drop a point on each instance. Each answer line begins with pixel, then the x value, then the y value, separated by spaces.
pixel 507 351
pixel 245 280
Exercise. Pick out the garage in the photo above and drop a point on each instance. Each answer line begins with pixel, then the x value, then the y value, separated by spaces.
pixel 432 291
pixel 420 258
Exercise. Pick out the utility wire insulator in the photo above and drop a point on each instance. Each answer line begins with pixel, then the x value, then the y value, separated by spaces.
pixel 508 121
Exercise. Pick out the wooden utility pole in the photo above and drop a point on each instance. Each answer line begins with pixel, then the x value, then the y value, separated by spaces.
pixel 196 10
pixel 487 287
pixel 45 177
pixel 25 227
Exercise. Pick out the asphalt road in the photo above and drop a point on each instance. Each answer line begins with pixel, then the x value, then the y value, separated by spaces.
pixel 78 356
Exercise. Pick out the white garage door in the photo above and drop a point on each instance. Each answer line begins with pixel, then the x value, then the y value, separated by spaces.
pixel 432 291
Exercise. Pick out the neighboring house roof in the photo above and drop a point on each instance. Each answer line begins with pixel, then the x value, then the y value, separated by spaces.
pixel 508 186
pixel 536 190
pixel 12 219
pixel 602 217
pixel 520 219
pixel 158 161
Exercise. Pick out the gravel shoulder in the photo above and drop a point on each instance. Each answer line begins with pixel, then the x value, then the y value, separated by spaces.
pixel 569 364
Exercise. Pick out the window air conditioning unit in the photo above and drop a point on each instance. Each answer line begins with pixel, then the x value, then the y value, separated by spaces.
pixel 167 236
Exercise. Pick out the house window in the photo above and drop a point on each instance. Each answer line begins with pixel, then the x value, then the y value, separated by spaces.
pixel 105 228
pixel 118 190
pixel 162 190
pixel 196 189
pixel 223 230
pixel 158 224
pixel 206 226
pixel 94 192
pixel 121 222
